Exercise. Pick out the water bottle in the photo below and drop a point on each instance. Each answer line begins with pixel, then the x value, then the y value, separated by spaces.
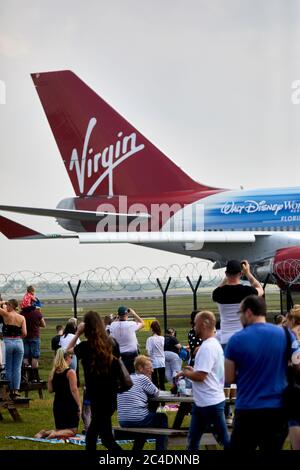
pixel 181 387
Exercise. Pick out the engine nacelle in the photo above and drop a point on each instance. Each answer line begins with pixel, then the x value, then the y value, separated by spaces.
pixel 286 268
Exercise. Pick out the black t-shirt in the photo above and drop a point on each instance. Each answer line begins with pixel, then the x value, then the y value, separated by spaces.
pixel 229 298
pixel 100 387
pixel 55 342
pixel 170 344
pixel 232 294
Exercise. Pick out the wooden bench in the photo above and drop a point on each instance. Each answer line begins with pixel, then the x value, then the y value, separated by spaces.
pixel 139 435
pixel 31 386
pixel 12 405
pixel 176 436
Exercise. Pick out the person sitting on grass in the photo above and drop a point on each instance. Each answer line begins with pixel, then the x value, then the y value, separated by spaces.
pixel 66 405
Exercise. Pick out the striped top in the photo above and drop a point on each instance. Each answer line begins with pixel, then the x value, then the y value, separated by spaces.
pixel 133 405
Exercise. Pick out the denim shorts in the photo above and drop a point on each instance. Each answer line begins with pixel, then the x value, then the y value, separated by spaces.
pixel 294 422
pixel 31 348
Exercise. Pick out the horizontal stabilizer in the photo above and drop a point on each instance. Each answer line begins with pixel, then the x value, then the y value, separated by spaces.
pixel 72 214
pixel 12 230
pixel 15 231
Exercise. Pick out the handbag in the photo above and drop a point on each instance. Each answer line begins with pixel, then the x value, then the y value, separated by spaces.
pixel 123 379
pixel 184 354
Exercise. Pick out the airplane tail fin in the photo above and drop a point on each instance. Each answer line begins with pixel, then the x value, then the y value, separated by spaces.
pixel 102 152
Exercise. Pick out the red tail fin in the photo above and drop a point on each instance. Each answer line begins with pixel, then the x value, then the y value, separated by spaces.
pixel 102 152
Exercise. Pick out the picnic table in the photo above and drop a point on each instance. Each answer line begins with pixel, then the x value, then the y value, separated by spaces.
pixel 9 404
pixel 185 405
pixel 184 409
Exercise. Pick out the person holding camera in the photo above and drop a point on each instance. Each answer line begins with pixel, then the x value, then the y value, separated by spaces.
pixel 230 294
pixel 124 332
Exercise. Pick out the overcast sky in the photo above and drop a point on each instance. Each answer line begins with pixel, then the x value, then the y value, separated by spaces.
pixel 207 81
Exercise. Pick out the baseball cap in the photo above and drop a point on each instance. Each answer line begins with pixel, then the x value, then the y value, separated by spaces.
pixel 233 267
pixel 122 310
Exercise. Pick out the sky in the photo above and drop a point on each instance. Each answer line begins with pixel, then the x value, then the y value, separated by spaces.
pixel 209 82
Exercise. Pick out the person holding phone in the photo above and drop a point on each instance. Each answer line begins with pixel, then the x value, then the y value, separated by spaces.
pixel 228 297
pixel 230 294
pixel 124 332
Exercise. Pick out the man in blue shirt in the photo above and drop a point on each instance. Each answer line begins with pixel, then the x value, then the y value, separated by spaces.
pixel 256 360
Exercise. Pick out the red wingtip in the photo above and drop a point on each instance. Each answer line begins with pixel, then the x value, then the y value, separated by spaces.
pixel 13 230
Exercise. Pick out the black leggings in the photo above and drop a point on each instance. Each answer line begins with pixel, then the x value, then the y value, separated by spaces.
pixel 158 377
pixel 101 426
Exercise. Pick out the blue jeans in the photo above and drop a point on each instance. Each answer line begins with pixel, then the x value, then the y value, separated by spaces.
pixel 14 351
pixel 204 417
pixel 31 348
pixel 152 420
pixel 173 365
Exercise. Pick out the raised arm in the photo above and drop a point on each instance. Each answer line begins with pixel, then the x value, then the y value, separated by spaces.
pixel 138 319
pixel 253 281
pixel 73 341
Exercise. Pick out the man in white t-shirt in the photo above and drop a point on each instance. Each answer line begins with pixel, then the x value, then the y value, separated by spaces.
pixel 208 384
pixel 124 332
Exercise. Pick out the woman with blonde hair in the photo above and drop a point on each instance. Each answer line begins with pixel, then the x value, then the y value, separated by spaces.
pixel 293 320
pixel 13 330
pixel 101 370
pixel 66 405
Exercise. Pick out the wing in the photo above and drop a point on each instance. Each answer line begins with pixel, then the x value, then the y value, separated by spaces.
pixel 192 240
pixel 72 214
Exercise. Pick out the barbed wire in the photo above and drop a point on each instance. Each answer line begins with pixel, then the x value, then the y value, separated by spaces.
pixel 111 278
pixel 288 271
pixel 131 279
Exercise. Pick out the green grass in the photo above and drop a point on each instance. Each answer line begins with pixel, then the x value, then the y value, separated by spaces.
pixel 39 413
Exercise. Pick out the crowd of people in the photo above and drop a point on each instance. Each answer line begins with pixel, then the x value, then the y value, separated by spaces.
pixel 261 358
pixel 21 338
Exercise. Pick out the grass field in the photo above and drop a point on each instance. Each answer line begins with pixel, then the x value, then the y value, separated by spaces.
pixel 39 414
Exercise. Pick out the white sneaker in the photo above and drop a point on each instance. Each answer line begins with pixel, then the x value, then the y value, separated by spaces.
pixel 229 421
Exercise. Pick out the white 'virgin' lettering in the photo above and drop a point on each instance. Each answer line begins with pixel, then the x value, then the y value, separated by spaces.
pixel 110 157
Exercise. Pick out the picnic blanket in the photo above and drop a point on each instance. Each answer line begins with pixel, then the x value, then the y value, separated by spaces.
pixel 78 440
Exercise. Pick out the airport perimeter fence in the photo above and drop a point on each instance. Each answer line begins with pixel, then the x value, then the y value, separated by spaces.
pixel 161 281
pixel 111 279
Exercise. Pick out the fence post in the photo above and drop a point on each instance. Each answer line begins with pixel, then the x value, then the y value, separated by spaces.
pixel 289 299
pixel 74 295
pixel 164 293
pixel 281 302
pixel 265 283
pixel 194 289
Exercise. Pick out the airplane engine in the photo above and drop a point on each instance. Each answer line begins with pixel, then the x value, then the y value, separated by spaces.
pixel 286 268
